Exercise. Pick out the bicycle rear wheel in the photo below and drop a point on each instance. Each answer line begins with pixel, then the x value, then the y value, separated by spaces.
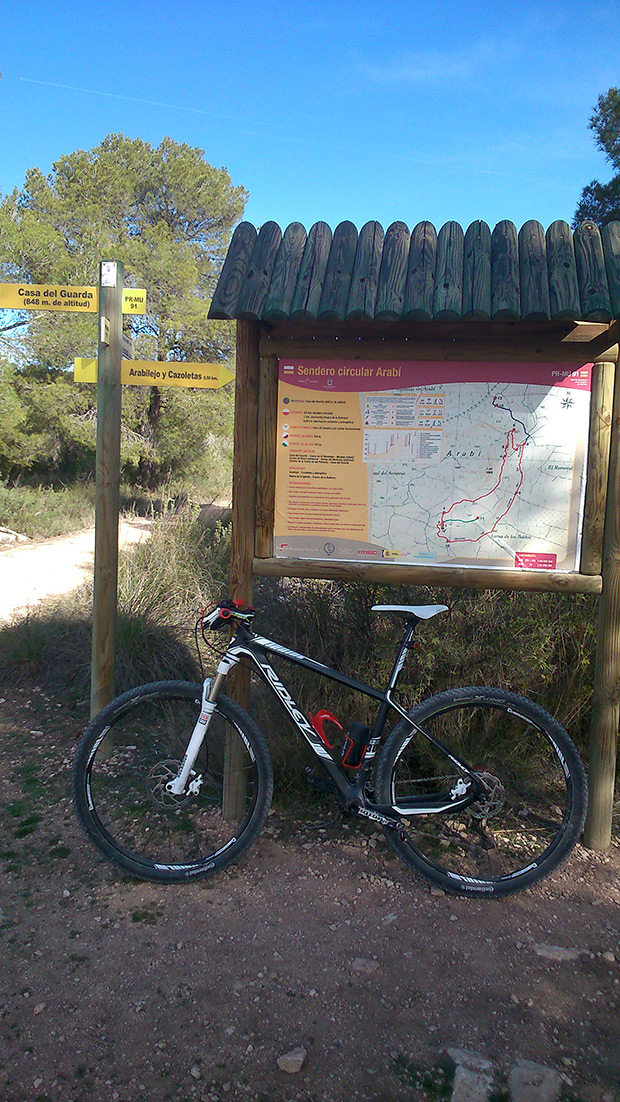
pixel 535 793
pixel 130 751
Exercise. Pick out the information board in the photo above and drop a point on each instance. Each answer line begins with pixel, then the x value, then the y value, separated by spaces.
pixel 457 464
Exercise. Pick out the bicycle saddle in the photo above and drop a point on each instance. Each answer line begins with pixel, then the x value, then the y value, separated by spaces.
pixel 423 612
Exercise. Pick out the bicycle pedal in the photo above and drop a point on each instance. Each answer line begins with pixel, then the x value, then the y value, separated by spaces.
pixel 324 784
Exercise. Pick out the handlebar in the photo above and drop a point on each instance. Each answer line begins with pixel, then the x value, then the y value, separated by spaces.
pixel 226 614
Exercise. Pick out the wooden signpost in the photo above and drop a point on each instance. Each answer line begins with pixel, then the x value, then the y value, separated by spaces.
pixel 110 370
pixel 110 300
pixel 107 485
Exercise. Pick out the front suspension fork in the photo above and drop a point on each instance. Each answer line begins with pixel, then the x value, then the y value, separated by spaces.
pixel 211 689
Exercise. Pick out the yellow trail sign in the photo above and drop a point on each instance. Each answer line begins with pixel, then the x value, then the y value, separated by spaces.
pixel 74 300
pixel 134 300
pixel 158 373
pixel 36 296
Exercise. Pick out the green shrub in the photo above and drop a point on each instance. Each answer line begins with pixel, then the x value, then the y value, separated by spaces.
pixel 43 511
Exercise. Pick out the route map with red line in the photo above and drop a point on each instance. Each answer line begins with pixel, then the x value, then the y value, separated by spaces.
pixel 485 501
pixel 494 479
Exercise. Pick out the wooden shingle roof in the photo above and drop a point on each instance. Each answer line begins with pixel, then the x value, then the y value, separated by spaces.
pixel 421 275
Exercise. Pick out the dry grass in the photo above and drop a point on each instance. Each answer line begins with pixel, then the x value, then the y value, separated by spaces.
pixel 541 645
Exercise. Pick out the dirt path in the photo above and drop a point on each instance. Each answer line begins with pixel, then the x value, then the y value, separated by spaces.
pixel 30 572
pixel 319 939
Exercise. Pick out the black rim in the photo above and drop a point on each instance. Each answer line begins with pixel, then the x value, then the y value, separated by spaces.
pixel 130 856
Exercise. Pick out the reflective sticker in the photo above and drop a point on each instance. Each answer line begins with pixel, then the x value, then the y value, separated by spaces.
pixel 97 744
pixel 247 744
pixel 527 868
pixel 179 868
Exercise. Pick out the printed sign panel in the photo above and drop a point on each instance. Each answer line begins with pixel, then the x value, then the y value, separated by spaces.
pixel 76 300
pixel 456 464
pixel 34 296
pixel 134 300
pixel 158 373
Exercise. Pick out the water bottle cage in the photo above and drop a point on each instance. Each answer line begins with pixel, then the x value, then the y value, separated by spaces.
pixel 355 743
pixel 317 722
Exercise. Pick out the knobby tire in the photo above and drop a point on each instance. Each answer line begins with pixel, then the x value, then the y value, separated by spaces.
pixel 535 800
pixel 129 752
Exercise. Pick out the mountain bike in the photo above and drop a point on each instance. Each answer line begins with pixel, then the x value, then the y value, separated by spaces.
pixel 479 790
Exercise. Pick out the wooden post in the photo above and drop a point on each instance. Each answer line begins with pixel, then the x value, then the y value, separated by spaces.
pixel 601 411
pixel 243 525
pixel 265 461
pixel 244 460
pixel 107 484
pixel 606 704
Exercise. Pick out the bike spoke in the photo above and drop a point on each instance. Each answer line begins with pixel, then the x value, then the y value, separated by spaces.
pixel 530 806
pixel 128 785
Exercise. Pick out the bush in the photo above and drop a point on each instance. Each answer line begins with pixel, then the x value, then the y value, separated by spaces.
pixel 43 511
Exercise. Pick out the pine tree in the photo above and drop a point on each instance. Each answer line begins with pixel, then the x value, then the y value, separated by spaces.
pixel 601 202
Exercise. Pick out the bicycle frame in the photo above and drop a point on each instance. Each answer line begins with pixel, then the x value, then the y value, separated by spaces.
pixel 353 792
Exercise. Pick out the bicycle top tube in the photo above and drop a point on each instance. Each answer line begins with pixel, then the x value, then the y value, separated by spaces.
pixel 247 642
pixel 234 614
pixel 237 614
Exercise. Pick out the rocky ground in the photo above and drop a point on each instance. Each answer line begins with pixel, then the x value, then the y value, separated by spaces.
pixel 319 943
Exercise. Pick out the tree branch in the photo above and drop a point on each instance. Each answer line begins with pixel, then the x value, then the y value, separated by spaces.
pixel 14 325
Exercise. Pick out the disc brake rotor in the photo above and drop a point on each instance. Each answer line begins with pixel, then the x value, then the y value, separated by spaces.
pixel 492 800
pixel 158 777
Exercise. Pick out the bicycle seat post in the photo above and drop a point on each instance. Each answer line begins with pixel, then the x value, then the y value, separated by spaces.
pixel 405 644
pixel 413 615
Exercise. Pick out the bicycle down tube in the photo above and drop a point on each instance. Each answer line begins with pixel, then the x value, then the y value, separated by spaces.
pixel 255 647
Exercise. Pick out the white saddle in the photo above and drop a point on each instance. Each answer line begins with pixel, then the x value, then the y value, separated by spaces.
pixel 423 612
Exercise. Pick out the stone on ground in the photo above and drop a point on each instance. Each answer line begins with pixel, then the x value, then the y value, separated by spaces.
pixel 293 1061
pixel 530 1082
pixel 473 1078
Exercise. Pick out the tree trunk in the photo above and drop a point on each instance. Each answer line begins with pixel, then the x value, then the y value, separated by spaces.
pixel 148 471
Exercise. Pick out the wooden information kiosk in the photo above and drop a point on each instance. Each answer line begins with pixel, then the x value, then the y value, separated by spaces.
pixel 533 311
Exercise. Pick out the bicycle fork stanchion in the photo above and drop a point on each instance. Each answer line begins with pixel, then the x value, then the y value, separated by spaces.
pixel 234 788
pixel 207 708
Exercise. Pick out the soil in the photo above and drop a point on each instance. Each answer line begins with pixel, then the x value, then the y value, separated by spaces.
pixel 319 939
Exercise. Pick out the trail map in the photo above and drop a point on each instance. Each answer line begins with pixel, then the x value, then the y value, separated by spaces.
pixel 467 464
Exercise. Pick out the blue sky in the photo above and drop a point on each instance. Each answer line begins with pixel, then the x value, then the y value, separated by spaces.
pixel 386 110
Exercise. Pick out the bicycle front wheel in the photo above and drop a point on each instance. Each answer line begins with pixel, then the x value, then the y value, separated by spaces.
pixel 534 800
pixel 129 753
